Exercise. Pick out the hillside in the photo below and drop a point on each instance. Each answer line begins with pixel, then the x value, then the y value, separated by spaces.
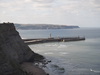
pixel 43 26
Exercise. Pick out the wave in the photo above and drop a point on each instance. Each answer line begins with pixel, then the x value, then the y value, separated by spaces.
pixel 96 71
pixel 62 46
pixel 48 53
pixel 51 45
pixel 63 53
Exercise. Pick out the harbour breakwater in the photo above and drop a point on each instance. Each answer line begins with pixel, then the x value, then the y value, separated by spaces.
pixel 46 40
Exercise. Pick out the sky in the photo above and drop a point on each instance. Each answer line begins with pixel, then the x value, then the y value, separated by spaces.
pixel 84 13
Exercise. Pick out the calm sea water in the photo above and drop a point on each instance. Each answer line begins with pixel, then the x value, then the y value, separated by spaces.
pixel 69 58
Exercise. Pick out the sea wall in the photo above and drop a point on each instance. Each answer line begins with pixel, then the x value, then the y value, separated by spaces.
pixel 13 51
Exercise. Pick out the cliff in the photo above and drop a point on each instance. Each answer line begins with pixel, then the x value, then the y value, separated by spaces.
pixel 13 51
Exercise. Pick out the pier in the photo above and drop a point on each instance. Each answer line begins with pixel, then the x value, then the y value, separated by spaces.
pixel 46 40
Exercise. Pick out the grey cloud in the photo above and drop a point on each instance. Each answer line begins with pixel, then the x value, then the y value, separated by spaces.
pixel 97 1
pixel 97 4
pixel 43 1
pixel 7 0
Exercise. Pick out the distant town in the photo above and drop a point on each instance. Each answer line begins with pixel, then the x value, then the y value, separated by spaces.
pixel 43 26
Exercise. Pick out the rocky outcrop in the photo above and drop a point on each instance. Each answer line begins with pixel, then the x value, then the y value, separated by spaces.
pixel 13 51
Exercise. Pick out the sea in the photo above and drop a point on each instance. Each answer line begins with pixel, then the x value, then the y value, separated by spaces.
pixel 68 58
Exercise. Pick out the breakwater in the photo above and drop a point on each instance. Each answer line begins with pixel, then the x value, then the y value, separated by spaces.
pixel 46 40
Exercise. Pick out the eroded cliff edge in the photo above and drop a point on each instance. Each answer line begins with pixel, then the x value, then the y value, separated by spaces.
pixel 13 51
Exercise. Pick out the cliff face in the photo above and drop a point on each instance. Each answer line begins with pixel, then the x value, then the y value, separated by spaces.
pixel 13 51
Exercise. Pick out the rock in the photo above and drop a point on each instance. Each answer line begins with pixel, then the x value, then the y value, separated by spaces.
pixel 13 51
pixel 31 68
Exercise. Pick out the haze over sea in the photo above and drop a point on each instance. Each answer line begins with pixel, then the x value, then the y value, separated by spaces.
pixel 69 58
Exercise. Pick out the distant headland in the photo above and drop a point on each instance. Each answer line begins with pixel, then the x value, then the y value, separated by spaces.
pixel 43 26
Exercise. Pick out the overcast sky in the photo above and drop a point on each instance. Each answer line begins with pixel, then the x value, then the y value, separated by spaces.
pixel 84 13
